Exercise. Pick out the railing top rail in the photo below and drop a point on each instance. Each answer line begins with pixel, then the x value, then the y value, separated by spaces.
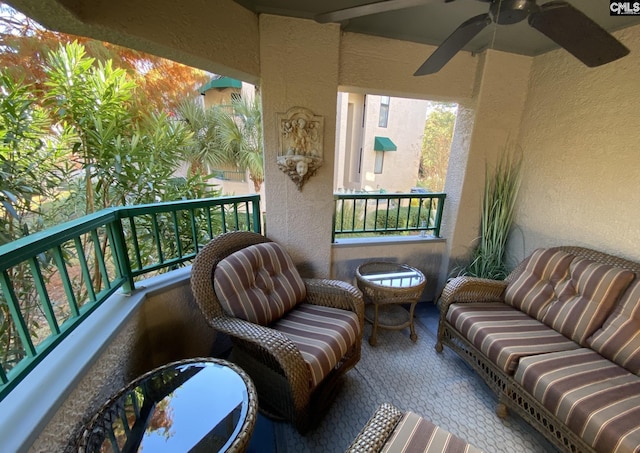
pixel 127 211
pixel 26 247
pixel 22 249
pixel 385 196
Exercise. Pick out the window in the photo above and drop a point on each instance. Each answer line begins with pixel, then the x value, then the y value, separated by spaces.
pixel 384 111
pixel 377 168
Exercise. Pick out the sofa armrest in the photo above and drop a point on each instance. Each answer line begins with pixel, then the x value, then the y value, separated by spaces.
pixel 470 289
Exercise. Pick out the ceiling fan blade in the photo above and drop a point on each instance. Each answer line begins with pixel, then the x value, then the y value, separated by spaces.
pixel 454 42
pixel 366 10
pixel 577 33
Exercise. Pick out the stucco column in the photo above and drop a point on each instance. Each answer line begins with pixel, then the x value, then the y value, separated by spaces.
pixel 485 127
pixel 299 68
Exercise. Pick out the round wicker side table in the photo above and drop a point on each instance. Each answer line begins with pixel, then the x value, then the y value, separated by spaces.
pixel 201 404
pixel 385 286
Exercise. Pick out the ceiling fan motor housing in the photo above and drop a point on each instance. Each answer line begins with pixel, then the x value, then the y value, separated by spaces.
pixel 507 12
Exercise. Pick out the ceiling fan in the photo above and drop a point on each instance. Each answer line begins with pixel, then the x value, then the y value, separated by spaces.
pixel 558 20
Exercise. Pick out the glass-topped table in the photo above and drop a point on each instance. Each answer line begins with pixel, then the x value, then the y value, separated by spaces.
pixel 385 286
pixel 194 405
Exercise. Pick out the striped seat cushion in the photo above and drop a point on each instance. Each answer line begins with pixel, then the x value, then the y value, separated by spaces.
pixel 415 434
pixel 534 289
pixel 322 334
pixel 619 338
pixel 258 283
pixel 597 399
pixel 586 298
pixel 505 334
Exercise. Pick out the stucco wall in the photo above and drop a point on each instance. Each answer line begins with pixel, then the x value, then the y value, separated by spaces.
pixel 299 64
pixel 581 155
pixel 423 254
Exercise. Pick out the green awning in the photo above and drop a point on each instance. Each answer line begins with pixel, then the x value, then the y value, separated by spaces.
pixel 221 83
pixel 383 144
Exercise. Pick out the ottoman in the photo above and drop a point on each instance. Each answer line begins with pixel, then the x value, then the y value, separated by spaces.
pixel 391 430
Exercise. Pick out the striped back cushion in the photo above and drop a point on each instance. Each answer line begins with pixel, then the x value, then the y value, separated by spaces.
pixel 415 434
pixel 619 338
pixel 534 289
pixel 258 283
pixel 586 298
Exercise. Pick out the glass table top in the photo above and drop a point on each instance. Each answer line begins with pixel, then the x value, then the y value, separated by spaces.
pixel 391 275
pixel 198 406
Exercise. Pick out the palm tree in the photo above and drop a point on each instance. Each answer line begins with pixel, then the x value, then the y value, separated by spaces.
pixel 205 151
pixel 240 136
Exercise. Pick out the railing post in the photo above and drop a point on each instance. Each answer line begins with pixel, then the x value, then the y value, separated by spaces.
pixel 257 227
pixel 439 215
pixel 121 255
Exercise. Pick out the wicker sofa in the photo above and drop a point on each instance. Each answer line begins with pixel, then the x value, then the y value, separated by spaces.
pixel 559 342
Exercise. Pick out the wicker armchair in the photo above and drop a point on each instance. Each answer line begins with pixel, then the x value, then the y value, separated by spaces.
pixel 286 382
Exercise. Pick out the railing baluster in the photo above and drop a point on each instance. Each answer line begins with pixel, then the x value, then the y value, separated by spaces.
pixel 66 281
pixel 194 230
pixel 16 314
pixel 44 295
pixel 136 243
pixel 438 222
pixel 100 256
pixel 209 223
pixel 235 216
pixel 86 275
pixel 223 216
pixel 176 232
pixel 156 236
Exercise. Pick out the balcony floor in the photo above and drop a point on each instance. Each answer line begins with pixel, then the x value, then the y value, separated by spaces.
pixel 450 395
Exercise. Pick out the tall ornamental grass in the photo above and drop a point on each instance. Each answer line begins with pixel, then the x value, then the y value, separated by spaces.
pixel 498 208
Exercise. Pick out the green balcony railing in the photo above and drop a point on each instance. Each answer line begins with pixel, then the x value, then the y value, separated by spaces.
pixel 52 280
pixel 375 214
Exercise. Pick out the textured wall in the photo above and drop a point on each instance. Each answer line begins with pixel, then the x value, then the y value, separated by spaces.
pixel 580 139
pixel 422 254
pixel 299 63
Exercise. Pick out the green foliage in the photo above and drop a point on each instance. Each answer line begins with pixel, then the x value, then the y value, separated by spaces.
pixel 498 209
pixel 399 218
pixel 436 145
pixel 240 136
pixel 76 146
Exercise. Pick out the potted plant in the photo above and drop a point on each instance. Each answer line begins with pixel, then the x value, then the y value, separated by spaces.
pixel 498 208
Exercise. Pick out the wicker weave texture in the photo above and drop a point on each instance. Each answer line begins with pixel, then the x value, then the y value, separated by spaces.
pixel 269 348
pixel 377 430
pixel 510 393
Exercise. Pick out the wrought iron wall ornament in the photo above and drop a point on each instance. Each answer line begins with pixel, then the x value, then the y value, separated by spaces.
pixel 300 150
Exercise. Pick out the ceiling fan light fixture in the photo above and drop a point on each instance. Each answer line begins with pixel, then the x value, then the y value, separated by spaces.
pixel 508 12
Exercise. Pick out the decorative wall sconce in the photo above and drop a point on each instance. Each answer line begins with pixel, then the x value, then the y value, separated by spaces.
pixel 300 152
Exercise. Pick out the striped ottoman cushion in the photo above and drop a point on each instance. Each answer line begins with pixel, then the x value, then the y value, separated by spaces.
pixel 415 434
pixel 597 399
pixel 619 338
pixel 259 283
pixel 322 334
pixel 505 334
